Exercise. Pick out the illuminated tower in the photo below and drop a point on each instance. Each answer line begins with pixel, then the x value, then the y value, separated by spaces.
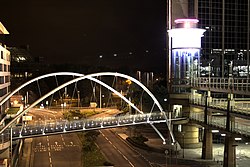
pixel 185 50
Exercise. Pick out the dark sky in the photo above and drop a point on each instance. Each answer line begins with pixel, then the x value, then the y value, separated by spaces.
pixel 78 31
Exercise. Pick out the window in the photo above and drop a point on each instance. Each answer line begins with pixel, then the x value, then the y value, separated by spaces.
pixel 7 79
pixel 5 68
pixel 3 92
pixel 1 79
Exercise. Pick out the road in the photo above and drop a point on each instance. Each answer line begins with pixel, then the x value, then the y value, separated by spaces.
pixel 65 150
pixel 39 115
pixel 118 152
pixel 56 150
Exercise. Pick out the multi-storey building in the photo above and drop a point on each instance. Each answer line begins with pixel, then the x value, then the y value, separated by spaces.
pixel 226 41
pixel 4 70
pixel 224 52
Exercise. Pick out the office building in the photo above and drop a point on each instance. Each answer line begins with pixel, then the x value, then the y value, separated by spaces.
pixel 225 45
pixel 4 70
pixel 226 41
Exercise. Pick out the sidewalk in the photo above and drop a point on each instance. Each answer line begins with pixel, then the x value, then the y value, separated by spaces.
pixel 26 159
pixel 242 153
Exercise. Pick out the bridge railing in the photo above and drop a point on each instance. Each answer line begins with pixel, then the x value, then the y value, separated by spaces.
pixel 236 105
pixel 237 126
pixel 63 126
pixel 236 84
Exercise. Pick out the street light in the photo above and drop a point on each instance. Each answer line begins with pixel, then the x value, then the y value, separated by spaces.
pixel 166 152
pixel 183 144
pixel 209 71
pixel 78 98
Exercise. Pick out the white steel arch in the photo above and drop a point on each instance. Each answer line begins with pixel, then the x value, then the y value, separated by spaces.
pixel 90 77
pixel 36 79
pixel 132 79
pixel 62 86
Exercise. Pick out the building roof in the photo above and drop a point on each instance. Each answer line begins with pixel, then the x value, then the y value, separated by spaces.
pixel 3 29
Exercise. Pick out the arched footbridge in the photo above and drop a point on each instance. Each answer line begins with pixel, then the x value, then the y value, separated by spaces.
pixel 154 115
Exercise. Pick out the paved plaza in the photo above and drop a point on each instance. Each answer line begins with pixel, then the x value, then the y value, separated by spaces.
pixel 242 153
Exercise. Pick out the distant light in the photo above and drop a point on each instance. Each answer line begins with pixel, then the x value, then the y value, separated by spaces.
pixel 165 99
pixel 237 138
pixel 129 82
pixel 130 53
pixel 223 134
pixel 146 51
pixel 246 143
pixel 115 55
pixel 100 56
pixel 215 131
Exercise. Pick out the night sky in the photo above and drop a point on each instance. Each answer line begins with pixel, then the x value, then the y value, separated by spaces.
pixel 79 31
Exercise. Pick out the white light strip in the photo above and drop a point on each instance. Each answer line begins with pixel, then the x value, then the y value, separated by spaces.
pixel 215 131
pixel 237 138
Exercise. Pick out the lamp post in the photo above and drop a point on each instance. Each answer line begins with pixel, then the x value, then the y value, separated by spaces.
pixel 78 98
pixel 11 146
pixel 176 153
pixel 166 152
pixel 234 155
pixel 209 71
pixel 183 144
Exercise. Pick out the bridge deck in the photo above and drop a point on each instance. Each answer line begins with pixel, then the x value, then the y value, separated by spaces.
pixel 64 126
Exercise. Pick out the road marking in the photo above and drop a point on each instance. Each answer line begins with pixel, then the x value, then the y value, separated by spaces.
pixel 49 154
pixel 130 163
pixel 136 151
pixel 62 138
pixel 49 160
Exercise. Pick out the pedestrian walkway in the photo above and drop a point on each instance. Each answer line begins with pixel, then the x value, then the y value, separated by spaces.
pixel 26 159
pixel 194 155
pixel 242 153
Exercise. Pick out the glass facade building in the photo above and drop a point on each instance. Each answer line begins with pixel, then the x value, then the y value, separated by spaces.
pixel 226 40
